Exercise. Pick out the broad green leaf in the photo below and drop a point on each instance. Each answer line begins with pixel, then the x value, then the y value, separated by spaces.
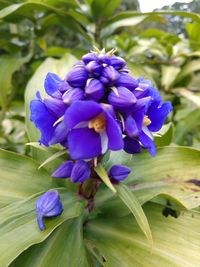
pixel 130 14
pixel 165 136
pixel 64 247
pixel 16 12
pixel 186 125
pixel 61 68
pixel 132 203
pixel 107 7
pixel 99 169
pixel 18 225
pixel 173 173
pixel 169 74
pixel 122 244
pixel 20 177
pixel 9 65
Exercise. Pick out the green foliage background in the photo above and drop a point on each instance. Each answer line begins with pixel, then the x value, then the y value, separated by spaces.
pixel 37 37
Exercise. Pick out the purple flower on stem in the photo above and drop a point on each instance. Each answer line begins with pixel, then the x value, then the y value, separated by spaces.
pixel 92 130
pixel 64 170
pixel 80 172
pixel 119 172
pixel 48 205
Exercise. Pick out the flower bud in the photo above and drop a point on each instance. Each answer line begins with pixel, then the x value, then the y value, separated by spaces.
pixel 89 57
pixel 48 205
pixel 119 172
pixel 123 98
pixel 109 75
pixel 53 84
pixel 73 95
pixel 80 172
pixel 77 77
pixel 132 146
pixel 104 59
pixel 64 170
pixel 117 62
pixel 94 68
pixel 55 106
pixel 94 90
pixel 127 81
pixel 60 133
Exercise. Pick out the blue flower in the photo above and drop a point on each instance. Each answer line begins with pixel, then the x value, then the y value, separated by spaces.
pixel 48 205
pixel 94 90
pixel 147 116
pixel 54 85
pixel 45 114
pixel 92 130
pixel 119 172
pixel 64 170
pixel 80 172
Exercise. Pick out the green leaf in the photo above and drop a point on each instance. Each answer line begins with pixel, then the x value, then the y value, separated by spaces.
pixel 63 248
pixel 120 241
pixel 20 177
pixel 165 136
pixel 174 173
pixel 18 225
pixel 186 125
pixel 99 169
pixel 132 203
pixel 189 68
pixel 169 74
pixel 8 66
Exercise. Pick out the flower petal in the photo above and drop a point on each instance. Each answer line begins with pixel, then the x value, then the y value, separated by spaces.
pixel 157 115
pixel 114 133
pixel 52 84
pixel 43 120
pixel 148 143
pixel 81 111
pixel 132 146
pixel 84 143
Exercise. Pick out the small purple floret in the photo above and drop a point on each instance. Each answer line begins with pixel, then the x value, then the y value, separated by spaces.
pixel 48 205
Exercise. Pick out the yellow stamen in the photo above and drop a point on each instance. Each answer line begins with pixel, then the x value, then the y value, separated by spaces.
pixel 98 123
pixel 146 121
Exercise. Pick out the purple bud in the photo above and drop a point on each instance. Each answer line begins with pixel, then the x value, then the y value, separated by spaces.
pixel 117 62
pixel 52 85
pixel 109 75
pixel 64 87
pixel 132 146
pixel 55 106
pixel 94 90
pixel 64 170
pixel 80 172
pixel 77 77
pixel 124 99
pixel 48 205
pixel 131 127
pixel 60 134
pixel 94 67
pixel 119 172
pixel 89 57
pixel 127 81
pixel 104 59
pixel 73 95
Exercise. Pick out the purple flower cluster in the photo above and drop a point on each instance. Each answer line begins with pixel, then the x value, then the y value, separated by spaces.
pixel 98 107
